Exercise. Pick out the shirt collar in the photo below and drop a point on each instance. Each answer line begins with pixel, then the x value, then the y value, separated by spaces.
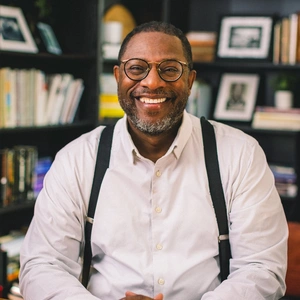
pixel 177 146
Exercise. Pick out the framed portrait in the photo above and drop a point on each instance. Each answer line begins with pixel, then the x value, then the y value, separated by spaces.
pixel 245 37
pixel 48 38
pixel 236 97
pixel 14 31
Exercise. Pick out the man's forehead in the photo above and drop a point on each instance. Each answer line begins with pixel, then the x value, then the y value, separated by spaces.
pixel 159 43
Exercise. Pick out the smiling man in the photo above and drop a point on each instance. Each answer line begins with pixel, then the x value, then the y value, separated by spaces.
pixel 155 235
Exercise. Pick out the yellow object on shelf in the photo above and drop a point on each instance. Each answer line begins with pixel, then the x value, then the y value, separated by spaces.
pixel 120 13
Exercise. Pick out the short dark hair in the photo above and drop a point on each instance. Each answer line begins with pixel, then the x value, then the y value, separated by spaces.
pixel 157 26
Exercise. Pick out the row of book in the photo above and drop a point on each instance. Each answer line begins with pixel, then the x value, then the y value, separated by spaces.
pixel 269 117
pixel 200 100
pixel 286 42
pixel 30 97
pixel 203 44
pixel 285 180
pixel 109 106
pixel 21 174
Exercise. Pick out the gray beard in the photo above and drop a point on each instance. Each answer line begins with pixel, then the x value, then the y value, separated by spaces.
pixel 153 129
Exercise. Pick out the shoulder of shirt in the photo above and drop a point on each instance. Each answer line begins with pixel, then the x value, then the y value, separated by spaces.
pixel 88 140
pixel 224 131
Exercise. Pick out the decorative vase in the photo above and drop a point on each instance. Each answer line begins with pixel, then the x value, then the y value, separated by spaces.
pixel 283 99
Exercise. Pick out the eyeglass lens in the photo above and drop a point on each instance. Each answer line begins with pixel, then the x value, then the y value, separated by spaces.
pixel 138 69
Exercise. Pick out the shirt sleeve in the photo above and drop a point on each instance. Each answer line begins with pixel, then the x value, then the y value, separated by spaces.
pixel 257 229
pixel 50 264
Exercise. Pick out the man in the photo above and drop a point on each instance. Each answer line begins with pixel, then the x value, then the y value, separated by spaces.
pixel 236 100
pixel 155 234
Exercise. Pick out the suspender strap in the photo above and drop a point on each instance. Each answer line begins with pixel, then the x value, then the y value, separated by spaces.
pixel 216 191
pixel 102 163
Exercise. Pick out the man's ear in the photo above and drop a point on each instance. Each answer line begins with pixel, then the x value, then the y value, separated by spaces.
pixel 117 73
pixel 191 79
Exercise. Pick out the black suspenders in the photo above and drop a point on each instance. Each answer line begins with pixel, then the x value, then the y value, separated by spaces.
pixel 215 186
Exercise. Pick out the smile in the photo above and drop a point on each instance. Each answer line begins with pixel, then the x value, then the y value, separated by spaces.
pixel 148 100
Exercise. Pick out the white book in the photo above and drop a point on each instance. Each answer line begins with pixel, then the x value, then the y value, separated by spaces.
pixel 54 84
pixel 191 106
pixel 67 103
pixel 22 94
pixel 74 101
pixel 293 38
pixel 41 94
pixel 60 99
pixel 204 100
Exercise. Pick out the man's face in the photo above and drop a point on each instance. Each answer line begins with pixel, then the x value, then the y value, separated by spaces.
pixel 152 104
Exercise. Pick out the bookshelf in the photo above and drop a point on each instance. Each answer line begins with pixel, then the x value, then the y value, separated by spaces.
pixel 77 33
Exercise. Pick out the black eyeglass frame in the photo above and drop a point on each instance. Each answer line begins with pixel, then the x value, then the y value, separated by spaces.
pixel 182 63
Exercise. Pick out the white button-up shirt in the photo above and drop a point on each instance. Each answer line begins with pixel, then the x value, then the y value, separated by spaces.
pixel 155 229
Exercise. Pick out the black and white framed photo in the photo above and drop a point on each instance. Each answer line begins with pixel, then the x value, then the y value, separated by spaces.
pixel 245 37
pixel 236 97
pixel 48 38
pixel 14 31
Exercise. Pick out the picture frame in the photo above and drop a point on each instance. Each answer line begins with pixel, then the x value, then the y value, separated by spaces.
pixel 245 37
pixel 48 38
pixel 236 97
pixel 14 31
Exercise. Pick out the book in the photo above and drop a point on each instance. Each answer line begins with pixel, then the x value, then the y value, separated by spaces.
pixel 293 37
pixel 60 98
pixel 40 98
pixel 109 106
pixel 74 100
pixel 285 40
pixel 276 43
pixel 203 44
pixel 200 99
pixel 54 88
pixel 277 119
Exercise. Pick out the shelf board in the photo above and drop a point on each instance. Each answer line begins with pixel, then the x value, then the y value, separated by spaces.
pixel 17 207
pixel 74 57
pixel 245 65
pixel 48 128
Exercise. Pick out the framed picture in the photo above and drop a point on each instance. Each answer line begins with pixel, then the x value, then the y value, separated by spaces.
pixel 49 39
pixel 14 31
pixel 236 97
pixel 245 37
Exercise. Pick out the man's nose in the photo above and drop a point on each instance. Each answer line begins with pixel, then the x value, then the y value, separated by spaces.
pixel 153 80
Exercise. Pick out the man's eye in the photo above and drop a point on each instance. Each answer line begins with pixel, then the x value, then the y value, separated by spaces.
pixel 136 69
pixel 169 70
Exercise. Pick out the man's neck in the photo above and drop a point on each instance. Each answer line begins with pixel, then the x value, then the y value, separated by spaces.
pixel 152 147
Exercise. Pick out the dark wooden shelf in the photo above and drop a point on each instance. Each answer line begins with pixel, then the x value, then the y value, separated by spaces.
pixel 245 65
pixel 17 207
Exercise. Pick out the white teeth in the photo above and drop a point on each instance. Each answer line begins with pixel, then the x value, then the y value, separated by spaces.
pixel 148 100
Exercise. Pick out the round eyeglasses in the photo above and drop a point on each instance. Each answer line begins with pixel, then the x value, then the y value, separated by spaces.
pixel 169 70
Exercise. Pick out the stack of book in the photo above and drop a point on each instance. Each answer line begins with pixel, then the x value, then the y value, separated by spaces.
pixel 109 106
pixel 285 180
pixel 286 47
pixel 268 117
pixel 17 167
pixel 29 97
pixel 200 100
pixel 203 45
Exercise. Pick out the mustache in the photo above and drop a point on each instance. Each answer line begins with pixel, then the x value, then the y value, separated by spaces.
pixel 157 92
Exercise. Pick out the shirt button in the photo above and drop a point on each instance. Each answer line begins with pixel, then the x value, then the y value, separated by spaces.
pixel 161 281
pixel 158 209
pixel 159 246
pixel 158 173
